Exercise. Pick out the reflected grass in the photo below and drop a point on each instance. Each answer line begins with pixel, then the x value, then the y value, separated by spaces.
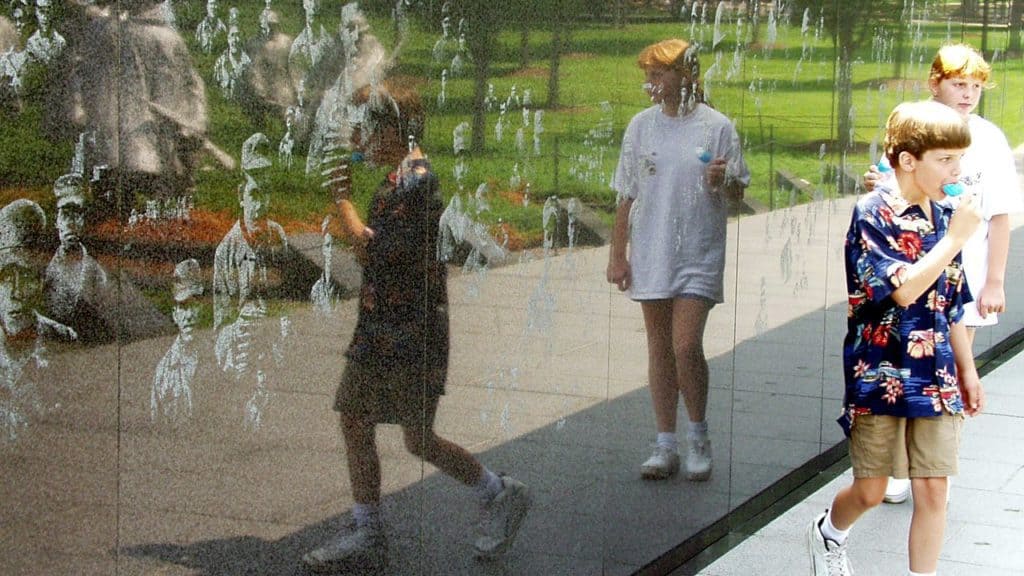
pixel 781 97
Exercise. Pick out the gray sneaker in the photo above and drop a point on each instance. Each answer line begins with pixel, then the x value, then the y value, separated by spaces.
pixel 364 548
pixel 500 518
pixel 663 463
pixel 827 557
pixel 698 459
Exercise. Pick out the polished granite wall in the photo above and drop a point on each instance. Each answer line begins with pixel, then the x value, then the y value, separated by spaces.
pixel 159 419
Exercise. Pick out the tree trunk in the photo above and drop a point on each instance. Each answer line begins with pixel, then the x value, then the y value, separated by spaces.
pixel 844 83
pixel 1016 14
pixel 481 72
pixel 557 46
pixel 524 44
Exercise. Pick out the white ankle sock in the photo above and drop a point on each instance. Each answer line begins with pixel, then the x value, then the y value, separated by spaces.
pixel 367 515
pixel 828 530
pixel 698 430
pixel 668 440
pixel 912 573
pixel 489 485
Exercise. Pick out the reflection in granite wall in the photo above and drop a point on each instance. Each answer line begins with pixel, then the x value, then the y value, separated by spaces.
pixel 179 280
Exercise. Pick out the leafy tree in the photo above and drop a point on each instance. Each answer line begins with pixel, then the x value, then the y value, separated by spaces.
pixel 852 24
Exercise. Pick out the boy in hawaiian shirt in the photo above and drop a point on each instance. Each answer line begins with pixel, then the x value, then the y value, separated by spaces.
pixel 910 374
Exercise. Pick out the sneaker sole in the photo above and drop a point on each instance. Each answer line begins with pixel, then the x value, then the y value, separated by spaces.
pixel 515 521
pixel 701 477
pixel 372 562
pixel 650 473
pixel 658 474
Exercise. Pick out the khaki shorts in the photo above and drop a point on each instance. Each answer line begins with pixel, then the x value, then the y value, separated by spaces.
pixel 883 446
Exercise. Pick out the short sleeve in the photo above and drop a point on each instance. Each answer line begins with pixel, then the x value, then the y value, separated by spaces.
pixel 625 182
pixel 1002 191
pixel 879 254
pixel 729 147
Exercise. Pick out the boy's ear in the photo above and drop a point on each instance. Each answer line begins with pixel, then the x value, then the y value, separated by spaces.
pixel 906 161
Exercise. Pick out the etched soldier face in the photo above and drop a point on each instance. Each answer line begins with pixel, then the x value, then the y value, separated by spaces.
pixel 186 315
pixel 21 293
pixel 70 223
pixel 43 17
pixel 255 201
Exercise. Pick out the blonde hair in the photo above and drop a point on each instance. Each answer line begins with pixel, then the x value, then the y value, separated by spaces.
pixel 674 53
pixel 955 60
pixel 917 127
pixel 671 53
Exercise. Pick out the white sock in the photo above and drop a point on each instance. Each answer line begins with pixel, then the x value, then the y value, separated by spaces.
pixel 489 485
pixel 698 430
pixel 668 440
pixel 912 573
pixel 829 531
pixel 367 515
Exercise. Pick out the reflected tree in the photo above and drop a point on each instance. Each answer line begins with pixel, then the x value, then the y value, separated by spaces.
pixel 852 24
pixel 1016 17
pixel 484 20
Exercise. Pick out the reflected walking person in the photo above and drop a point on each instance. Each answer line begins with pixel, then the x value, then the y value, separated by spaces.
pixel 679 170
pixel 397 361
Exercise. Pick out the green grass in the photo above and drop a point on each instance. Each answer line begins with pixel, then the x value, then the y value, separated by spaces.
pixel 785 114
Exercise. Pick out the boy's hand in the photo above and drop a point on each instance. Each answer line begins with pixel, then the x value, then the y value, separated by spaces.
pixel 973 394
pixel 966 218
pixel 871 177
pixel 992 300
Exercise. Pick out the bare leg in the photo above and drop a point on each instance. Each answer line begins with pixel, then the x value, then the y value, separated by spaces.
pixel 856 499
pixel 363 460
pixel 928 524
pixel 689 317
pixel 661 363
pixel 449 457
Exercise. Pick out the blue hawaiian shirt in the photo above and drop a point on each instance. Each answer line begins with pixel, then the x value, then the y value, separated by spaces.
pixel 898 361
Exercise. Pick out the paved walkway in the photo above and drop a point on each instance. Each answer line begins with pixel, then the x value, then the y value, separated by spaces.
pixel 985 532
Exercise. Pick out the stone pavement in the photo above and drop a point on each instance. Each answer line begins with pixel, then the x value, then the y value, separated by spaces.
pixel 985 529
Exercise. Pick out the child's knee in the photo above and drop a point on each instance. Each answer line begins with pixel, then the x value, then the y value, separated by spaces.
pixel 930 492
pixel 869 492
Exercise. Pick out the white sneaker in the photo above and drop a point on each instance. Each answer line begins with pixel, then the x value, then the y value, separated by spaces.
pixel 662 464
pixel 698 459
pixel 827 557
pixel 500 518
pixel 897 490
pixel 366 547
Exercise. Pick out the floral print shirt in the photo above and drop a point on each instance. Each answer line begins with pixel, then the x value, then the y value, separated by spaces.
pixel 403 300
pixel 898 361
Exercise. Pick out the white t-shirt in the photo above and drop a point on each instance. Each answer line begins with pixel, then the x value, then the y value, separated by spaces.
pixel 988 170
pixel 677 222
